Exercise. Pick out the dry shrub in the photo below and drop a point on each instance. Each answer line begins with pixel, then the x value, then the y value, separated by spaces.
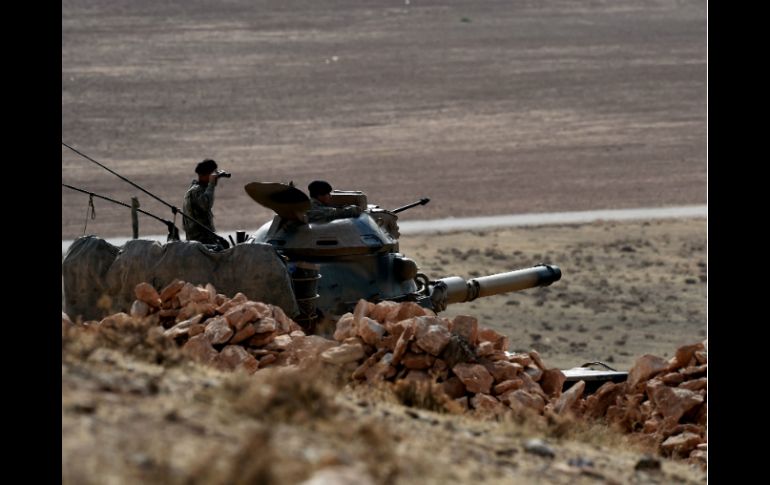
pixel 139 337
pixel 425 395
pixel 285 394
pixel 251 464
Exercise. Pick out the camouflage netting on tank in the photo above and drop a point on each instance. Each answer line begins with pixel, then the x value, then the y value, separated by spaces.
pixel 93 268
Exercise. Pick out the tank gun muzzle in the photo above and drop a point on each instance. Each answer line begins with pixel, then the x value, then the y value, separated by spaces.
pixel 455 289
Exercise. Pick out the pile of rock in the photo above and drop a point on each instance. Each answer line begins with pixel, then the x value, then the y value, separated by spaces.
pixel 665 400
pixel 227 333
pixel 392 341
pixel 662 400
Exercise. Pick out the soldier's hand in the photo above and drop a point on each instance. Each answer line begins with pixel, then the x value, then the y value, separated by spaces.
pixel 353 210
pixel 213 178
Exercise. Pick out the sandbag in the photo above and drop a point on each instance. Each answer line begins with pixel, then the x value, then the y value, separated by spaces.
pixel 99 278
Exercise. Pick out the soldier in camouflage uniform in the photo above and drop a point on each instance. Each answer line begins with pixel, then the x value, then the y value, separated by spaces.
pixel 198 202
pixel 320 208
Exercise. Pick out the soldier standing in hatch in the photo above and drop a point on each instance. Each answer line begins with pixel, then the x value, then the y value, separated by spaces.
pixel 321 209
pixel 198 203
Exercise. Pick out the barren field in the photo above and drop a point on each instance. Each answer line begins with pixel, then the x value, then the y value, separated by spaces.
pixel 493 107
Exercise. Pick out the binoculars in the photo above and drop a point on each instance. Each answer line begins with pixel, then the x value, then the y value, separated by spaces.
pixel 223 174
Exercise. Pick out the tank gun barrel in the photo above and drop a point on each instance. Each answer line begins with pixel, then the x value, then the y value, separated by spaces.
pixel 422 201
pixel 455 289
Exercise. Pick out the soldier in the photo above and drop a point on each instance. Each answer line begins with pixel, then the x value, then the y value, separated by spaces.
pixel 321 209
pixel 198 203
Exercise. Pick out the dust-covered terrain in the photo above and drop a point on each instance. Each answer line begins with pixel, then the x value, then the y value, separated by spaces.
pixel 491 107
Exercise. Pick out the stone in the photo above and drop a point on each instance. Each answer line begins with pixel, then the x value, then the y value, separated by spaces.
pixel 297 333
pixel 453 387
pixel 381 370
pixel 146 293
pixel 521 399
pixel 457 351
pixel 303 351
pixel 65 320
pixel 212 293
pixel 569 397
pixel 267 324
pixel 507 386
pixel 475 377
pixel 487 334
pixel 284 324
pixel 343 354
pixel 680 445
pixel 345 327
pixel 701 357
pixel 280 342
pixel 534 372
pixel 340 475
pixel 402 343
pixel 363 309
pixel 381 310
pixel 644 368
pixel 536 359
pixel 360 372
pixel 552 382
pixel 683 355
pixel 417 361
pixel 240 315
pixel 182 328
pixel 199 349
pixel 484 349
pixel 171 290
pixel 169 313
pixel 370 331
pixel 218 331
pixel 502 370
pixel 695 384
pixel 196 330
pixel 116 320
pixel 235 357
pixel 139 309
pixel 418 376
pixel 243 334
pixel 672 379
pixel 266 360
pixel 467 327
pixel 695 372
pixel 523 360
pixel 262 339
pixel 434 340
pixel 539 447
pixel 529 385
pixel 647 463
pixel 238 299
pixel 487 405
pixel 462 402
pixel 409 309
pixel 673 402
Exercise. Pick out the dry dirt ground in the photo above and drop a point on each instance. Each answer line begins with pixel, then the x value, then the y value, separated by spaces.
pixel 487 108
pixel 627 288
pixel 491 107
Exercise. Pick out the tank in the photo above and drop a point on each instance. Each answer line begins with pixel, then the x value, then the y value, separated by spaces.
pixel 335 263
pixel 315 271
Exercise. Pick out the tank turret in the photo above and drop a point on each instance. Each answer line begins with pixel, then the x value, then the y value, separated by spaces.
pixel 334 264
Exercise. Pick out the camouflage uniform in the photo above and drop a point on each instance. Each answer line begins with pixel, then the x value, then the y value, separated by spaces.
pixel 198 201
pixel 320 212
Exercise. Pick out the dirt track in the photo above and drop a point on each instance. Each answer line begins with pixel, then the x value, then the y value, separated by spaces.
pixel 486 107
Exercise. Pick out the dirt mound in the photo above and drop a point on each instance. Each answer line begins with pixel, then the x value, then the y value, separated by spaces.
pixel 452 366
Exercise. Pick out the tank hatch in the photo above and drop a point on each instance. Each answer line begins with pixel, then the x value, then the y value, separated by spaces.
pixel 285 200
